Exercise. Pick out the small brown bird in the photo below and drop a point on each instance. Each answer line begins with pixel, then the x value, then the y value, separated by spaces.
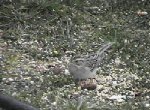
pixel 85 67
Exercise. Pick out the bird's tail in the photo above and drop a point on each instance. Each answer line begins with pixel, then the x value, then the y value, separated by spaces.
pixel 101 51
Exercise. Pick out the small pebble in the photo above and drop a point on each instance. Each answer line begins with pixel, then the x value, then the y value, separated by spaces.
pixel 10 79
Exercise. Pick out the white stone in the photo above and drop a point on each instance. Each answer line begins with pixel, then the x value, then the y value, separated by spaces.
pixel 10 79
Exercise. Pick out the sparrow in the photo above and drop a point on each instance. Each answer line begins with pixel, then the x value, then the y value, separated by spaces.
pixel 86 66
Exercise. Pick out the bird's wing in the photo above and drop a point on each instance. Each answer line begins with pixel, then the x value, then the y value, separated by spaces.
pixel 93 61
